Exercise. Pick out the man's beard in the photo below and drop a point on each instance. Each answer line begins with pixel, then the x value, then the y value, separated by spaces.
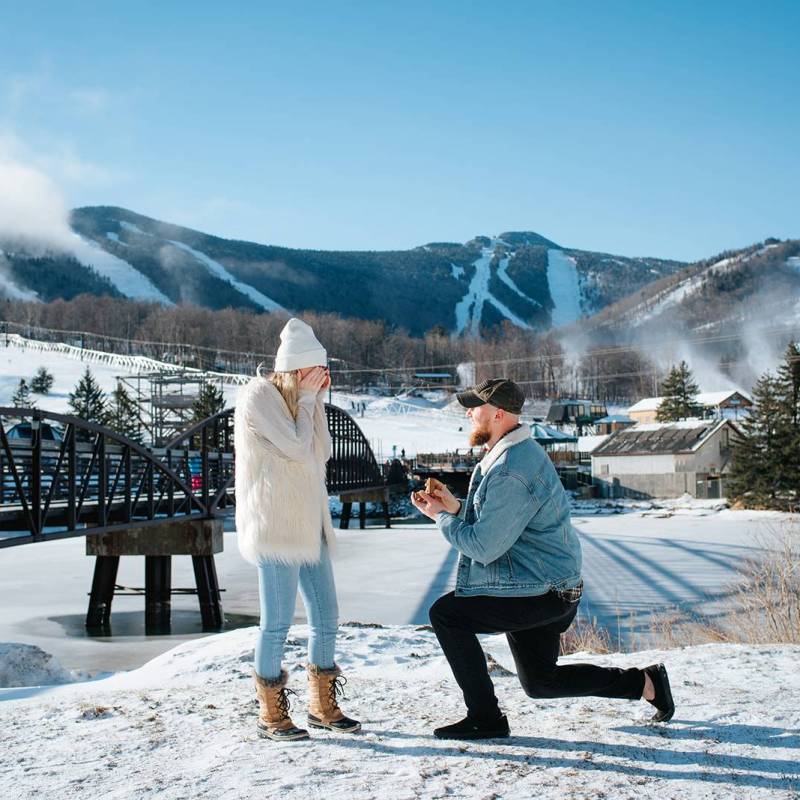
pixel 479 436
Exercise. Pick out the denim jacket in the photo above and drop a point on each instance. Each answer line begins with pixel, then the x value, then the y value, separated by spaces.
pixel 513 532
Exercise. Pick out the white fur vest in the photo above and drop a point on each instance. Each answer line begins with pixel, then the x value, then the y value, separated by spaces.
pixel 281 498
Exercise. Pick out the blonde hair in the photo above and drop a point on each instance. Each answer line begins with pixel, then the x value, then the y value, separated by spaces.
pixel 288 384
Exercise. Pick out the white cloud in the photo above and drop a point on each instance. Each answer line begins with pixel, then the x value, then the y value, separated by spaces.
pixel 33 211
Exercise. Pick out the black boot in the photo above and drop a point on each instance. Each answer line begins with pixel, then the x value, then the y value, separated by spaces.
pixel 474 728
pixel 663 700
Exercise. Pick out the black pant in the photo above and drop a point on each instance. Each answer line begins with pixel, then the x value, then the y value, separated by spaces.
pixel 533 626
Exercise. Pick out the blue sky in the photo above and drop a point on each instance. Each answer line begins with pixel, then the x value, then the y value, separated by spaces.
pixel 638 128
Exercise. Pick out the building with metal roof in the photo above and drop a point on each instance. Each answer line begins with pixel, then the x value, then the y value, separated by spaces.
pixel 666 459
pixel 727 404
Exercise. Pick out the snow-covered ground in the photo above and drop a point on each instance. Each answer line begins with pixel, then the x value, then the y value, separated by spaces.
pixel 183 726
pixel 565 290
pixel 393 425
pixel 22 362
pixel 19 362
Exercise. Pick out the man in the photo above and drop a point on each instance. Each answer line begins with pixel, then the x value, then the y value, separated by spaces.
pixel 519 573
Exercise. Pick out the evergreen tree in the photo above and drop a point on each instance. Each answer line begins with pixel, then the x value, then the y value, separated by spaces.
pixel 22 395
pixel 788 443
pixel 210 401
pixel 679 392
pixel 755 468
pixel 42 381
pixel 88 401
pixel 123 414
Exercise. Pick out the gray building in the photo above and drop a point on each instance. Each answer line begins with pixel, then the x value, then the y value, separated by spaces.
pixel 666 459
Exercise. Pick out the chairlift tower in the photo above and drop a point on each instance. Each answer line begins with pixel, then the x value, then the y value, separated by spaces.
pixel 165 399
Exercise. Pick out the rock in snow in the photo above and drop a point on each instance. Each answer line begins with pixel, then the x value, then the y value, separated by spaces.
pixel 182 726
pixel 28 665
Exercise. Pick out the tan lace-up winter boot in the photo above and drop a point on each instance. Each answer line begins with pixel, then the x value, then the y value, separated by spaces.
pixel 274 721
pixel 323 710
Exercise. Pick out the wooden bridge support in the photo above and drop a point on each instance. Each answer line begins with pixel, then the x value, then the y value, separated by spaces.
pixel 105 578
pixel 157 593
pixel 200 539
pixel 362 497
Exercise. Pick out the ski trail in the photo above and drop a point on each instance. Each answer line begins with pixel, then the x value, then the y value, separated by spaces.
pixel 562 276
pixel 215 268
pixel 128 280
pixel 470 307
pixel 502 273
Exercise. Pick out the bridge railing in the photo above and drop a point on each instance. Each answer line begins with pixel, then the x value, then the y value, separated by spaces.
pixel 203 455
pixel 90 477
pixel 352 464
pixel 205 451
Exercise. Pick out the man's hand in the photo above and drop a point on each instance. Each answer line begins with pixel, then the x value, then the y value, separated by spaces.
pixel 440 492
pixel 429 505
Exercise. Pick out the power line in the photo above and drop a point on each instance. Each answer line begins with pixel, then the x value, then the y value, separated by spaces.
pixel 608 351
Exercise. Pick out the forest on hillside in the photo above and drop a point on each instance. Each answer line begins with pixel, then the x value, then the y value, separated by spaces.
pixel 365 351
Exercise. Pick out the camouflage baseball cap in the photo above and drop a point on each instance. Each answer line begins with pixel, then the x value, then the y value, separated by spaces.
pixel 497 392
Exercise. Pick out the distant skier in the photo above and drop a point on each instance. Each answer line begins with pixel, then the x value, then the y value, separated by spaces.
pixel 519 573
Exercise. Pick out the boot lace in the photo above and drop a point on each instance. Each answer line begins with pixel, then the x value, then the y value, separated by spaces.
pixel 283 702
pixel 336 688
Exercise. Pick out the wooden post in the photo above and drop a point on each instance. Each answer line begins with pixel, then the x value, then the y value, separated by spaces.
pixel 344 522
pixel 98 617
pixel 205 576
pixel 157 593
pixel 362 514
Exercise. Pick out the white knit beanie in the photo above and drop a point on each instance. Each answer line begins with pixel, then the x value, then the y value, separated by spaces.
pixel 299 348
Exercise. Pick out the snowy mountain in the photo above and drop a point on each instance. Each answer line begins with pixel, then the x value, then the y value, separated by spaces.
pixel 759 284
pixel 520 277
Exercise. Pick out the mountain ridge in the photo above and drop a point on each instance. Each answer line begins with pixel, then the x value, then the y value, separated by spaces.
pixel 518 277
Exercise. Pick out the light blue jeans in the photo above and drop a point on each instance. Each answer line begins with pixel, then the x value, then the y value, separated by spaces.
pixel 277 588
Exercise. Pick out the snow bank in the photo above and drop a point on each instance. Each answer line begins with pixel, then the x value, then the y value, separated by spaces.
pixel 183 726
pixel 28 665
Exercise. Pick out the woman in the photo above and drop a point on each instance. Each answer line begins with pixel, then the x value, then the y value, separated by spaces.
pixel 283 526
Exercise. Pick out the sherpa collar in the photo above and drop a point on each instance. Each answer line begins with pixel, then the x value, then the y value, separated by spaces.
pixel 509 440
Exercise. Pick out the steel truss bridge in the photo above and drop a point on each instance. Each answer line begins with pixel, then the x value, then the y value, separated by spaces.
pixel 98 484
